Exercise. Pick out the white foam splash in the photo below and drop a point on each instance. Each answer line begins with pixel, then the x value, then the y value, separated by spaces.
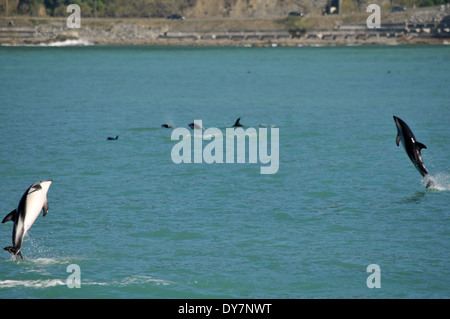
pixel 49 283
pixel 441 182
pixel 133 280
pixel 31 283
pixel 66 43
pixel 47 261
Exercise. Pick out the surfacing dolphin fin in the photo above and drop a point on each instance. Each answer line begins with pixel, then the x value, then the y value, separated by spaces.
pixel 237 124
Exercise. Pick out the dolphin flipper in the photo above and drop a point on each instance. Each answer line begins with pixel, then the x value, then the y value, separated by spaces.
pixel 9 217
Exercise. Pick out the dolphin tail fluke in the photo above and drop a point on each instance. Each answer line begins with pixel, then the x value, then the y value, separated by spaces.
pixel 14 252
pixel 430 182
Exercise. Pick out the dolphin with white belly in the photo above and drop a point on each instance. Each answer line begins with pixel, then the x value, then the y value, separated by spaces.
pixel 33 201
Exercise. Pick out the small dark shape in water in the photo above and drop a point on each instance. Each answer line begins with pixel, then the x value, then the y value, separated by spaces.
pixel 166 126
pixel 195 126
pixel 113 138
pixel 237 124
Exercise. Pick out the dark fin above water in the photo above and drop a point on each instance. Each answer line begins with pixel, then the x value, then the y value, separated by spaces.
pixel 237 124
pixel 195 126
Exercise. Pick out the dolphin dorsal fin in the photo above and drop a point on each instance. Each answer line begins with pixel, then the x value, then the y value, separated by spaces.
pixel 420 145
pixel 237 123
pixel 9 217
pixel 397 140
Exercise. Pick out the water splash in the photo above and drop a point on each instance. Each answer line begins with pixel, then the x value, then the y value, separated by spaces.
pixel 66 43
pixel 46 283
pixel 441 182
pixel 141 280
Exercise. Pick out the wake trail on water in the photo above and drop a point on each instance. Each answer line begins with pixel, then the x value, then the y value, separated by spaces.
pixel 55 282
pixel 39 283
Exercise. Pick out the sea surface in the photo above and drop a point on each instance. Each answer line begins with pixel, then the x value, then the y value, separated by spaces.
pixel 128 222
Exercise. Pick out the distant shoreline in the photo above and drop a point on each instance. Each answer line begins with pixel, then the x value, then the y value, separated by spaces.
pixel 430 26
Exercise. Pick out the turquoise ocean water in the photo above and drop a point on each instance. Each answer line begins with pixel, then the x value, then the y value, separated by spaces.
pixel 140 226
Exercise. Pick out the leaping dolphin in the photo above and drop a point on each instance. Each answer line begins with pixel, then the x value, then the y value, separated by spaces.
pixel 32 202
pixel 412 148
